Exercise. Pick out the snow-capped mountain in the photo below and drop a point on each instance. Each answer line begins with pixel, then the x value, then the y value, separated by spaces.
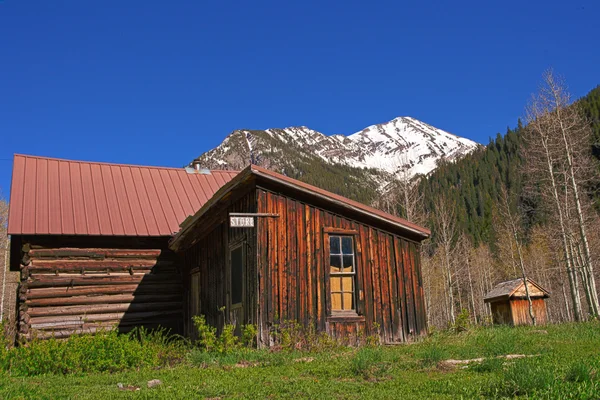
pixel 377 153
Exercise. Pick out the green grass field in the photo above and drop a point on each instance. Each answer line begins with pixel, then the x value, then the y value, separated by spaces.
pixel 564 363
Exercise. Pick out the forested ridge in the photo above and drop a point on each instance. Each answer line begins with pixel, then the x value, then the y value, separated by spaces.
pixel 525 206
pixel 474 182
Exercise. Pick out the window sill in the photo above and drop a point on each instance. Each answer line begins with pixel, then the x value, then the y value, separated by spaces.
pixel 346 317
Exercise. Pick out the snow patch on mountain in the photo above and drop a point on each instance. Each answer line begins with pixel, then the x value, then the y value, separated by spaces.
pixel 403 145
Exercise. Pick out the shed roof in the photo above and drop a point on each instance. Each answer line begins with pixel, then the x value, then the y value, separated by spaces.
pixel 52 196
pixel 332 198
pixel 514 288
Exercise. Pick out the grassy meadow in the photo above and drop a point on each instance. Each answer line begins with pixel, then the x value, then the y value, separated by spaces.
pixel 563 363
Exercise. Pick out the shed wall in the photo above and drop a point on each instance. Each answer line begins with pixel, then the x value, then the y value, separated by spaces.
pixel 294 275
pixel 520 311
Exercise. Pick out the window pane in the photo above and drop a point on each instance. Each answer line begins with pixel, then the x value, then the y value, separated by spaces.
pixel 347 247
pixel 334 245
pixel 348 301
pixel 336 301
pixel 237 275
pixel 336 284
pixel 348 263
pixel 348 283
pixel 336 263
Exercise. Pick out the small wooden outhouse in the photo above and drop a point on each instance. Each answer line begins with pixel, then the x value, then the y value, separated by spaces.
pixel 508 301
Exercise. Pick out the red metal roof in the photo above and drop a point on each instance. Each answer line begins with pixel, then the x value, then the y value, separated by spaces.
pixel 62 197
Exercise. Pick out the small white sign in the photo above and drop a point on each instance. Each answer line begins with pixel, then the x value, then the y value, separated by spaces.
pixel 241 222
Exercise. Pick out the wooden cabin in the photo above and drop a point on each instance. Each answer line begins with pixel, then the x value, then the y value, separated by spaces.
pixel 103 245
pixel 509 305
pixel 267 249
pixel 91 242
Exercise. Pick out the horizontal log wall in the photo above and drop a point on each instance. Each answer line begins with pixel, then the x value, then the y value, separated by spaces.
pixel 293 273
pixel 66 290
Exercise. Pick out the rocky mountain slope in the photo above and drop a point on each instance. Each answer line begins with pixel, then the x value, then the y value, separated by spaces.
pixel 357 166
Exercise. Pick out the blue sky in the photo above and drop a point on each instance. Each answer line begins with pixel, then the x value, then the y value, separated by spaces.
pixel 160 82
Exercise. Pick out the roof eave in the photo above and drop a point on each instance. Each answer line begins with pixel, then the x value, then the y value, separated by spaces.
pixel 190 221
pixel 175 242
pixel 424 234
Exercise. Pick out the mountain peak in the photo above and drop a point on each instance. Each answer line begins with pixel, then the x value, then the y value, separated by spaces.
pixel 402 145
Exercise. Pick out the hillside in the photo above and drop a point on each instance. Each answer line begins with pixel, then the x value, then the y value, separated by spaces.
pixel 474 182
pixel 358 166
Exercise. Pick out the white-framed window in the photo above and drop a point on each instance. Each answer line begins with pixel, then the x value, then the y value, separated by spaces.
pixel 342 273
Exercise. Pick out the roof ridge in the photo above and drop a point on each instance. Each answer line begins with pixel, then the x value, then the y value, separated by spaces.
pixel 116 164
pixel 336 197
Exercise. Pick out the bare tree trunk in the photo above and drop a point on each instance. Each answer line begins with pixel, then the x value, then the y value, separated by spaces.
pixel 566 303
pixel 514 230
pixel 561 101
pixel 543 141
pixel 450 286
pixel 471 289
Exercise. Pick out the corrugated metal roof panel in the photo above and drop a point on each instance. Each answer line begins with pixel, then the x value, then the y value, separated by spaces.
pixel 53 197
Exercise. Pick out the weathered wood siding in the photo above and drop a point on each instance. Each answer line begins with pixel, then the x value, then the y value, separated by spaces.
pixel 520 311
pixel 294 274
pixel 207 266
pixel 91 284
pixel 515 311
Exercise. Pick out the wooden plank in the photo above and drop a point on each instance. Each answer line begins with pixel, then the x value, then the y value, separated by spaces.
pixel 310 270
pixel 394 300
pixel 95 264
pixel 264 242
pixel 108 308
pixel 410 304
pixel 319 269
pixel 283 265
pixel 365 272
pixel 328 221
pixel 421 291
pixel 99 253
pixel 385 295
pixel 340 231
pixel 104 299
pixel 418 311
pixel 84 280
pixel 45 293
pixel 374 263
pixel 273 247
pixel 398 253
pixel 261 227
pixel 292 261
pixel 301 283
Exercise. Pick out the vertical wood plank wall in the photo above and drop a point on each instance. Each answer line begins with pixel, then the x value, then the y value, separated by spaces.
pixel 293 274
pixel 207 262
pixel 520 311
pixel 515 311
pixel 89 284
